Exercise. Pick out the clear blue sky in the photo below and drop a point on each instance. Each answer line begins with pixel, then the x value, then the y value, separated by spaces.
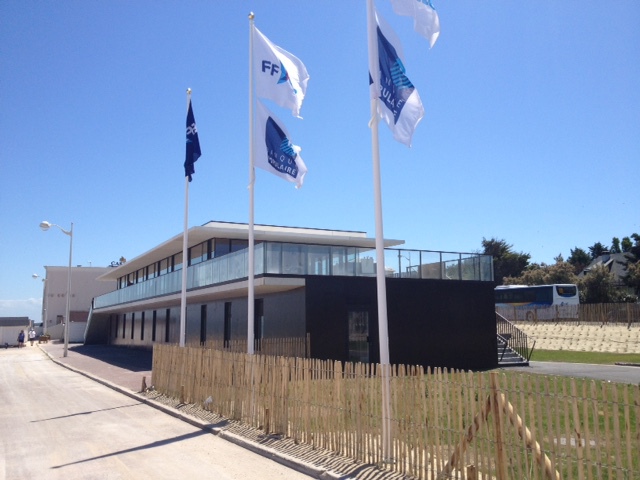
pixel 531 132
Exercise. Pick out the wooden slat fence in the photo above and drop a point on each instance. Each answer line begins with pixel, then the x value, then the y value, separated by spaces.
pixel 445 424
pixel 585 313
pixel 286 347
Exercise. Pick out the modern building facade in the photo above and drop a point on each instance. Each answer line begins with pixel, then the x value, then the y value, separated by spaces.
pixel 308 282
pixel 84 286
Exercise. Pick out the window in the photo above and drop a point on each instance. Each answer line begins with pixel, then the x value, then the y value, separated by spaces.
pixel 142 327
pixel 258 318
pixel 222 247
pixel 237 245
pixel 203 324
pixel 153 326
pixel 133 324
pixel 227 323
pixel 152 271
pixel 167 317
pixel 199 253
pixel 117 324
pixel 293 259
pixel 177 262
pixel 165 266
pixel 124 325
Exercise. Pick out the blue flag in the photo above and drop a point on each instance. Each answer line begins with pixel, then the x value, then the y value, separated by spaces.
pixel 274 151
pixel 399 102
pixel 193 144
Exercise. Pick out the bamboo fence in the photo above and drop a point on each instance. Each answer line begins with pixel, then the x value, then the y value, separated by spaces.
pixel 445 424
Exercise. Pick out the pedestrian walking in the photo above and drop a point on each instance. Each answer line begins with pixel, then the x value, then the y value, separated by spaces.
pixel 32 335
pixel 21 339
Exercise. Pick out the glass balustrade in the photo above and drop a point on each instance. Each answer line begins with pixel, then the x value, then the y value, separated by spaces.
pixel 273 258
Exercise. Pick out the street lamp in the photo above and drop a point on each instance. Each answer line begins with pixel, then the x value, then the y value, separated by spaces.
pixel 46 226
pixel 44 302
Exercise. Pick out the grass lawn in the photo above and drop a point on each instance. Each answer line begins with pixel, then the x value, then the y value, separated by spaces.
pixel 600 358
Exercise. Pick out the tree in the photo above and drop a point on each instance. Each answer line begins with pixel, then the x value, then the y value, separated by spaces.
pixel 632 279
pixel 597 286
pixel 626 245
pixel 560 272
pixel 579 259
pixel 506 263
pixel 597 249
pixel 615 245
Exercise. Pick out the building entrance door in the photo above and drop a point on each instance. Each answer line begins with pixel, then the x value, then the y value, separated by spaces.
pixel 359 336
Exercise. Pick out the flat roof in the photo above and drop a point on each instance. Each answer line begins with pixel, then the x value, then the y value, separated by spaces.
pixel 264 233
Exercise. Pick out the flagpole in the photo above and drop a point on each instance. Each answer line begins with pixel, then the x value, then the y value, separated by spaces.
pixel 250 266
pixel 383 329
pixel 185 253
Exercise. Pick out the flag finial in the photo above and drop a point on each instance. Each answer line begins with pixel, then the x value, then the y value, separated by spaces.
pixel 188 91
pixel 251 16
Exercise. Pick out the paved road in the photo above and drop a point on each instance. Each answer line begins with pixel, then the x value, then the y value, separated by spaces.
pixel 613 373
pixel 55 424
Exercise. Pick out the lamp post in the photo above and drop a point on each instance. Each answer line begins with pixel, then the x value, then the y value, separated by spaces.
pixel 44 302
pixel 46 226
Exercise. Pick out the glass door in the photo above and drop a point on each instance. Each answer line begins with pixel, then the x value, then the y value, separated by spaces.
pixel 359 336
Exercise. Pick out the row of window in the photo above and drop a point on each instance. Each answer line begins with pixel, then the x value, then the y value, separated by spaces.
pixel 130 320
pixel 129 323
pixel 213 248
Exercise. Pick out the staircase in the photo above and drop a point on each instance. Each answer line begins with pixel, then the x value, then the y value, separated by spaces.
pixel 507 356
pixel 513 348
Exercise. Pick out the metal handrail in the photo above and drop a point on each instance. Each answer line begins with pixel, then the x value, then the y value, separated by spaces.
pixel 515 338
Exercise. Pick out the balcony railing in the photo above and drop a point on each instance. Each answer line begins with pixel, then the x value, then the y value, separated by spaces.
pixel 298 259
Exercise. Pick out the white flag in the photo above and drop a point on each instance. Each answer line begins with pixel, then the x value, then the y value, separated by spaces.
pixel 399 103
pixel 425 17
pixel 274 152
pixel 279 75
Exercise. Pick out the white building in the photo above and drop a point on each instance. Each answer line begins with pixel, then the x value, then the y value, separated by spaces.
pixel 84 287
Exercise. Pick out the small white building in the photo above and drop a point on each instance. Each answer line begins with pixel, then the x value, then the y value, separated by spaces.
pixel 10 328
pixel 84 287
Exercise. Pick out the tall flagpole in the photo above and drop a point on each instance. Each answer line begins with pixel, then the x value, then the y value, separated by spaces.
pixel 185 252
pixel 383 329
pixel 251 273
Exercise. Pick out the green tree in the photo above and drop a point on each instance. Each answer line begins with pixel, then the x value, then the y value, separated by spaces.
pixel 506 263
pixel 579 259
pixel 635 248
pixel 632 279
pixel 559 272
pixel 626 244
pixel 597 249
pixel 597 286
pixel 615 245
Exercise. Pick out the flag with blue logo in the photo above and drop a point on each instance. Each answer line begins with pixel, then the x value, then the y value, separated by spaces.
pixel 425 17
pixel 193 144
pixel 273 149
pixel 279 75
pixel 399 103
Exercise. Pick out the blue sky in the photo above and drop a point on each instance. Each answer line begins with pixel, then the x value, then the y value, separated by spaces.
pixel 531 132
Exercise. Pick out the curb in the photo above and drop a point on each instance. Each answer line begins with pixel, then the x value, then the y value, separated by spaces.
pixel 286 460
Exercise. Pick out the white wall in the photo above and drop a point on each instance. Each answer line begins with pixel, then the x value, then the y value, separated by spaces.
pixel 84 287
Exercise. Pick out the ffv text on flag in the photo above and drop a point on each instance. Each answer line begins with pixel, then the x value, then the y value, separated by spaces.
pixel 279 75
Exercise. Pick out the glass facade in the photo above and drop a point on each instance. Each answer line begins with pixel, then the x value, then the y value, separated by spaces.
pixel 273 258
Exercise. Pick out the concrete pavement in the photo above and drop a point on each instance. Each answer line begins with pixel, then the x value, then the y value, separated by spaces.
pixel 56 424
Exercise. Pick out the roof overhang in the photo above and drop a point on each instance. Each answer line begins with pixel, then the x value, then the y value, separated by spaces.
pixel 240 231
